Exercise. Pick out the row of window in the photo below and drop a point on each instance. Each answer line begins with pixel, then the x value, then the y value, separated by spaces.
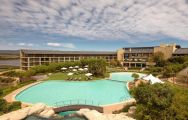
pixel 37 61
pixel 48 55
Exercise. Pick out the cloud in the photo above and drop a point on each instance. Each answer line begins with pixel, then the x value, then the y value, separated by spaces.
pixel 24 44
pixel 21 44
pixel 129 20
pixel 65 45
pixel 54 44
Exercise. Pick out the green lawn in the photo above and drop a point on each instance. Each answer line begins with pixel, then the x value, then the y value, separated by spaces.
pixel 180 101
pixel 75 76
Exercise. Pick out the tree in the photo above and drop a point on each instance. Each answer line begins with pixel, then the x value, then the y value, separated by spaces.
pixel 159 59
pixel 97 67
pixel 115 63
pixel 154 102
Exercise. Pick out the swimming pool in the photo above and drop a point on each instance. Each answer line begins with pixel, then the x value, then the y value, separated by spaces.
pixel 102 92
pixel 124 76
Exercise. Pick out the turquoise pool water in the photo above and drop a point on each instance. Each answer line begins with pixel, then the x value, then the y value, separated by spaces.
pixel 123 76
pixel 101 92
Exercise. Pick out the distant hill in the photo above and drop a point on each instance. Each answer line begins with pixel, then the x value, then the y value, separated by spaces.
pixel 9 52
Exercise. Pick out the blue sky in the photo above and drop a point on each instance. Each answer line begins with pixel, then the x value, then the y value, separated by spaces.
pixel 92 25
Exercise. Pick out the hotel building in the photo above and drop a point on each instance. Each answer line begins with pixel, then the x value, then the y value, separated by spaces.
pixel 129 57
pixel 30 58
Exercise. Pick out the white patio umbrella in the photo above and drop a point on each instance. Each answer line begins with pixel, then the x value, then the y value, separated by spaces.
pixel 74 70
pixel 76 66
pixel 64 68
pixel 88 74
pixel 85 68
pixel 70 67
pixel 80 69
pixel 69 74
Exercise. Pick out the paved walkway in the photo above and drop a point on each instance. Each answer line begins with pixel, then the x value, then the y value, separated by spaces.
pixel 183 72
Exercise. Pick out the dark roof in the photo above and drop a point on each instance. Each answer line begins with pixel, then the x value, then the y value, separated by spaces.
pixel 139 50
pixel 181 51
pixel 67 52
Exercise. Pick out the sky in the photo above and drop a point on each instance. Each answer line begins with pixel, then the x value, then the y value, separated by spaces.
pixel 101 25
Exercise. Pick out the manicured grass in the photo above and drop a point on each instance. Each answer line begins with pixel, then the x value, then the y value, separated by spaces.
pixel 64 76
pixel 180 101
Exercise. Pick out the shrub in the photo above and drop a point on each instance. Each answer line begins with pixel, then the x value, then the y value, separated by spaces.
pixel 6 80
pixel 11 73
pixel 153 101
pixel 8 107
pixel 178 60
pixel 172 69
pixel 14 106
pixel 3 107
pixel 135 76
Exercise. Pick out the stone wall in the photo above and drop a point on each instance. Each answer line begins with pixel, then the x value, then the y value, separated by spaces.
pixel 120 54
pixel 167 50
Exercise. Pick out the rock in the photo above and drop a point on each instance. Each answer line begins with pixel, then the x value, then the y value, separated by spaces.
pixel 95 115
pixel 37 108
pixel 16 115
pixel 40 109
pixel 92 115
pixel 47 113
pixel 132 109
pixel 4 118
pixel 82 111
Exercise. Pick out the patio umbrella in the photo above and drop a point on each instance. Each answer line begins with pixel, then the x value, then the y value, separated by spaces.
pixel 74 70
pixel 81 69
pixel 69 74
pixel 64 68
pixel 76 66
pixel 70 67
pixel 88 74
pixel 85 68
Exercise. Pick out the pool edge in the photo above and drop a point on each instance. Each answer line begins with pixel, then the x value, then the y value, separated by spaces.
pixel 11 97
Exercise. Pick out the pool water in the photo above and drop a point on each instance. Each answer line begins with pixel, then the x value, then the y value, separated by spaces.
pixel 100 92
pixel 66 113
pixel 71 115
pixel 124 76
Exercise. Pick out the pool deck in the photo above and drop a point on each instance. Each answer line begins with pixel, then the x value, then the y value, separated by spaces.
pixel 110 108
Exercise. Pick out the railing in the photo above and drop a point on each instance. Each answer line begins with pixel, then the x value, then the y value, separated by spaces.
pixel 76 102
